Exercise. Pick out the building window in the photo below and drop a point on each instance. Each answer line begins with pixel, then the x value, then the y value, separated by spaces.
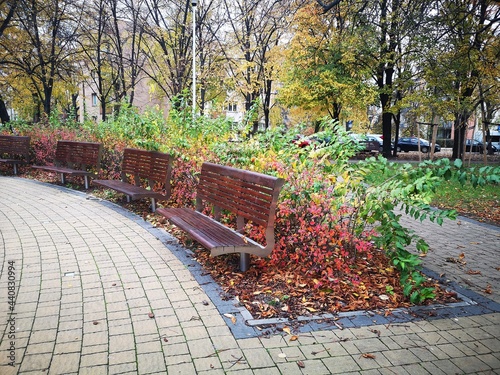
pixel 232 107
pixel 94 100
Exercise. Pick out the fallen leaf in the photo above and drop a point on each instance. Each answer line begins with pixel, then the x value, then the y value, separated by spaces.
pixel 294 338
pixel 471 272
pixel 368 355
pixel 301 364
pixel 375 331
pixel 95 322
pixel 151 315
pixel 287 330
pixel 488 289
pixel 232 317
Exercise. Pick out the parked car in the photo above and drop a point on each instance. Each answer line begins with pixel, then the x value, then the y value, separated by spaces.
pixel 407 144
pixel 369 144
pixel 378 139
pixel 477 146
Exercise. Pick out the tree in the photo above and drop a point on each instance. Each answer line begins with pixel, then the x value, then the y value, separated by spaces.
pixel 169 47
pixel 256 27
pixel 210 22
pixel 112 44
pixel 42 47
pixel 7 11
pixel 467 33
pixel 320 69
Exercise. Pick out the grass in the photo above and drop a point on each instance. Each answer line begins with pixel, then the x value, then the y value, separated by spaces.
pixel 481 202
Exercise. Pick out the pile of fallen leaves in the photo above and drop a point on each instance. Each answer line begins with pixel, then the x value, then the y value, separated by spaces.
pixel 275 292
pixel 271 292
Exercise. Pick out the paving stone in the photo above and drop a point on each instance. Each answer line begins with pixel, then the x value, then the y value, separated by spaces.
pixel 207 364
pixel 340 365
pixel 448 367
pixel 65 363
pixel 148 363
pixel 93 370
pixel 401 357
pixel 491 360
pixel 470 364
pixel 94 359
pixel 451 350
pixel 37 362
pixel 370 345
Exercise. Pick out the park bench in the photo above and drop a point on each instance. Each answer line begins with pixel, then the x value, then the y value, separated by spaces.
pixel 75 159
pixel 14 150
pixel 140 167
pixel 249 195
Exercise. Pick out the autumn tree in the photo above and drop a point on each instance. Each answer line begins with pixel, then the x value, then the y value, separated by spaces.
pixel 41 48
pixel 211 19
pixel 168 49
pixel 256 28
pixel 112 44
pixel 466 33
pixel 7 10
pixel 320 68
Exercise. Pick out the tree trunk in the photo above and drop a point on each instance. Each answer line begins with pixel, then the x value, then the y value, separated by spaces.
pixel 4 115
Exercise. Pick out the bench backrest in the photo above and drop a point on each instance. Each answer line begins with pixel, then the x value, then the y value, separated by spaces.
pixel 250 195
pixel 15 146
pixel 78 155
pixel 153 166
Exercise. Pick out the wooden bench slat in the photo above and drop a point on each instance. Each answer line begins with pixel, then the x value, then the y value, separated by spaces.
pixel 251 196
pixel 77 159
pixel 152 166
pixel 210 233
pixel 14 150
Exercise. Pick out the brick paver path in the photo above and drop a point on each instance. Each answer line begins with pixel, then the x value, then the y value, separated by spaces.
pixel 98 293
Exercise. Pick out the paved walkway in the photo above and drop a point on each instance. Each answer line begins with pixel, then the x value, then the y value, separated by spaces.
pixel 100 291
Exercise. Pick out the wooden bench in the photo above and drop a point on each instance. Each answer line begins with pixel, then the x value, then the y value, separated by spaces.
pixel 75 159
pixel 14 150
pixel 251 196
pixel 140 166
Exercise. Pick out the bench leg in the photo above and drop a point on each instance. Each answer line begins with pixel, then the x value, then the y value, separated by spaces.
pixel 15 168
pixel 86 182
pixel 244 262
pixel 63 179
pixel 153 205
